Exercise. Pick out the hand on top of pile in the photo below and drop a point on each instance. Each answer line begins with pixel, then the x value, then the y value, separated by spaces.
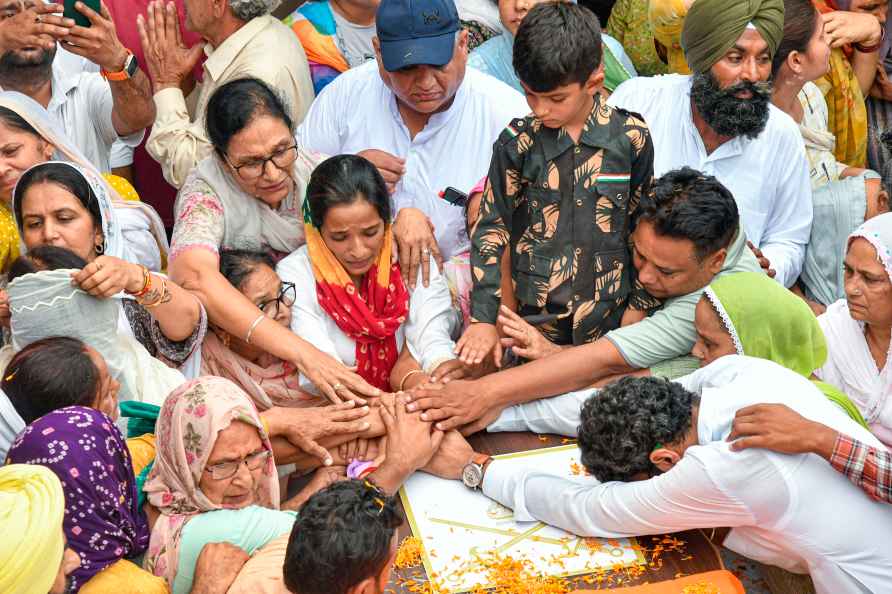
pixel 168 60
pixel 303 427
pixel 522 337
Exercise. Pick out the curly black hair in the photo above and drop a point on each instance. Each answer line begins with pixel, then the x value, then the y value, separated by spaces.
pixel 623 423
pixel 342 536
pixel 688 204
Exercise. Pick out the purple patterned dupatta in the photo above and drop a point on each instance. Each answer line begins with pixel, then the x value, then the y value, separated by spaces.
pixel 87 452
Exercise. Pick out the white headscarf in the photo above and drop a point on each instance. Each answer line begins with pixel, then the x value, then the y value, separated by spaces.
pixel 139 234
pixel 850 366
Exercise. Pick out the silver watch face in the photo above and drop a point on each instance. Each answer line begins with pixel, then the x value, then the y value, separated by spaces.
pixel 472 475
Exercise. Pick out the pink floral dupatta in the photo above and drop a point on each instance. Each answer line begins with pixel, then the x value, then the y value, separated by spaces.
pixel 187 428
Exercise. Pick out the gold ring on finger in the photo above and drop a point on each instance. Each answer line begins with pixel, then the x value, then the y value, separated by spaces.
pixel 337 387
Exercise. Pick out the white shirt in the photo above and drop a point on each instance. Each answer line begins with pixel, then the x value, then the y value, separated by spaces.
pixel 796 512
pixel 82 104
pixel 427 330
pixel 264 49
pixel 357 111
pixel 768 175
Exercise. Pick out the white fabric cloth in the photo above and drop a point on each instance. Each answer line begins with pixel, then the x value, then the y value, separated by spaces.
pixel 768 176
pixel 263 48
pixel 45 304
pixel 850 366
pixel 485 12
pixel 133 229
pixel 357 111
pixel 792 511
pixel 82 105
pixel 427 330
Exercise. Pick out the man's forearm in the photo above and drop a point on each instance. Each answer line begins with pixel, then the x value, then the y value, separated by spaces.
pixel 571 369
pixel 133 109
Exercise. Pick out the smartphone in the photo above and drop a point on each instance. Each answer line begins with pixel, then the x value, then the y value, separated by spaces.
pixel 80 19
pixel 454 197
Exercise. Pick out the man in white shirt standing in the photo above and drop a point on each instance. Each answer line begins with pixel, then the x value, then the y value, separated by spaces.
pixel 425 121
pixel 243 41
pixel 95 109
pixel 793 511
pixel 721 121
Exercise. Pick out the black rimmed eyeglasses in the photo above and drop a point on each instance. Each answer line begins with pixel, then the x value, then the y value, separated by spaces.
pixel 287 296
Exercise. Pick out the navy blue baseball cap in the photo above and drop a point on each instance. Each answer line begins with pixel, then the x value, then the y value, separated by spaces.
pixel 413 32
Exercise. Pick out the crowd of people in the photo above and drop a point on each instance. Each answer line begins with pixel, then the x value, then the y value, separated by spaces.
pixel 257 272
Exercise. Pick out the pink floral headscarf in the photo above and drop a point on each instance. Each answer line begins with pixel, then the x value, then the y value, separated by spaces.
pixel 187 428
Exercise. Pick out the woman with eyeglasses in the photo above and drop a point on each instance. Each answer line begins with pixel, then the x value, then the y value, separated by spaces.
pixel 214 480
pixel 268 380
pixel 352 301
pixel 247 195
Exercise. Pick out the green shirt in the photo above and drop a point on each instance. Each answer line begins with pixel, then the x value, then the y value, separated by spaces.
pixel 249 528
pixel 670 332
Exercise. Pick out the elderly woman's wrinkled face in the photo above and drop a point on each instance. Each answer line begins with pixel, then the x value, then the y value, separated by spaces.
pixel 713 340
pixel 867 284
pixel 107 395
pixel 260 157
pixel 19 151
pixel 264 288
pixel 355 235
pixel 237 447
pixel 51 215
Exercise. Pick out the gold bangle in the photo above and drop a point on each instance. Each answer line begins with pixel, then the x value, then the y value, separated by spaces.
pixel 254 325
pixel 146 283
pixel 162 294
pixel 407 376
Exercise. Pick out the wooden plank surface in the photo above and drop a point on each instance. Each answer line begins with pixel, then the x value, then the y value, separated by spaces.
pixel 696 553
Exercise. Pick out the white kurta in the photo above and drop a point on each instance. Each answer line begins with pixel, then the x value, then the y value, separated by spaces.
pixel 767 175
pixel 427 330
pixel 357 111
pixel 792 511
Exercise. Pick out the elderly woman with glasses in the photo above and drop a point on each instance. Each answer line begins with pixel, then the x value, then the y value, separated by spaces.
pixel 267 379
pixel 248 195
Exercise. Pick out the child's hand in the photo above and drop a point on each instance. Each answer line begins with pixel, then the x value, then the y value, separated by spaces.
pixel 477 342
pixel 523 338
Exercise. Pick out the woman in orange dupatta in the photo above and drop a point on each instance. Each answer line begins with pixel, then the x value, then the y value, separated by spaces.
pixel 361 311
pixel 843 89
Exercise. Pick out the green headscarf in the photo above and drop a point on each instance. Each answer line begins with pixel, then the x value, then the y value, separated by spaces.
pixel 712 26
pixel 767 321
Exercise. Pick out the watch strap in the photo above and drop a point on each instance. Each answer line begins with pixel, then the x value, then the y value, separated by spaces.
pixel 130 66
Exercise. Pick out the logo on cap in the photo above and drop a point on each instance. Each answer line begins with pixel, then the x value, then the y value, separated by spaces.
pixel 431 17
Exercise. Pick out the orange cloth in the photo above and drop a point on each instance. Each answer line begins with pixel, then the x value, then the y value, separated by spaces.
pixel 262 574
pixel 711 582
pixel 125 576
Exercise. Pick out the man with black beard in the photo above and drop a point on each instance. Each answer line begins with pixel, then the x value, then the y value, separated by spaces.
pixel 720 120
pixel 94 109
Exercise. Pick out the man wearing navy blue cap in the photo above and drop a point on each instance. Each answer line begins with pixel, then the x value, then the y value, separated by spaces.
pixel 425 121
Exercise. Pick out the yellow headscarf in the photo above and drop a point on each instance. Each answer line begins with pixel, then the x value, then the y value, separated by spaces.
pixel 31 508
pixel 666 19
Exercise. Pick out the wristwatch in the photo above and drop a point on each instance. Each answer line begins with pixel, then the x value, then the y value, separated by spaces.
pixel 130 66
pixel 472 474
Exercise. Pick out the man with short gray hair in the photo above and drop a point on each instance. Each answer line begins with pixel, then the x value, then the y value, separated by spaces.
pixel 242 41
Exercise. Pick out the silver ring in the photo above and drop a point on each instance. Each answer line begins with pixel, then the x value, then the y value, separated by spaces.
pixel 337 387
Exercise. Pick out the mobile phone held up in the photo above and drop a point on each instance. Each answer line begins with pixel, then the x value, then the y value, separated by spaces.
pixel 454 197
pixel 80 19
